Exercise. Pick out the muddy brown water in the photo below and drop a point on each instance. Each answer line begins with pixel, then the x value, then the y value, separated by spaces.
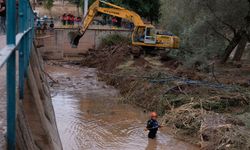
pixel 89 115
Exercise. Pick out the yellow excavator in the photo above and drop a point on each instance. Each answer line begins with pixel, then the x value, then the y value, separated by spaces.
pixel 144 35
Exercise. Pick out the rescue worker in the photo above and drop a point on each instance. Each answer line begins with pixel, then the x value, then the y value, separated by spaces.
pixel 64 19
pixel 114 21
pixel 51 23
pixel 152 125
pixel 38 26
pixel 78 21
pixel 68 19
pixel 72 20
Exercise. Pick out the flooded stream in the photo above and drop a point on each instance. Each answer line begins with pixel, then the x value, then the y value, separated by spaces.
pixel 89 116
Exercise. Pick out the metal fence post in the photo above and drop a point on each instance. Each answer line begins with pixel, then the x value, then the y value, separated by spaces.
pixel 11 75
pixel 29 34
pixel 21 28
pixel 25 38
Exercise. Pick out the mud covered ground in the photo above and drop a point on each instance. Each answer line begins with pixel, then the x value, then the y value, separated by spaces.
pixel 208 109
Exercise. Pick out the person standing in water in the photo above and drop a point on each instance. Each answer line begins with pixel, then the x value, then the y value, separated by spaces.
pixel 152 125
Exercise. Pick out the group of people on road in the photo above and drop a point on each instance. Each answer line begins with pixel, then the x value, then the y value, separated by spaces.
pixel 43 24
pixel 2 16
pixel 69 19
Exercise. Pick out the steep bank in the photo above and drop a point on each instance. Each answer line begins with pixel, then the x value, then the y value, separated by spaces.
pixel 208 109
pixel 36 124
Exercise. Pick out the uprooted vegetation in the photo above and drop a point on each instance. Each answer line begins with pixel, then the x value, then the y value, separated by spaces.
pixel 208 109
pixel 113 39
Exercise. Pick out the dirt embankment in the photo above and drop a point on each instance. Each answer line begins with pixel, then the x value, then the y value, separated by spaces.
pixel 208 109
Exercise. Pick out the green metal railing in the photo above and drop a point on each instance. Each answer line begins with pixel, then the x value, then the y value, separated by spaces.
pixel 18 38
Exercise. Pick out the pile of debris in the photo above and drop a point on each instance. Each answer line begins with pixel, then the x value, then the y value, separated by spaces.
pixel 193 104
pixel 219 131
pixel 108 57
pixel 216 131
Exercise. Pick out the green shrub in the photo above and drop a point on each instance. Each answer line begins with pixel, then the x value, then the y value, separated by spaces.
pixel 114 39
pixel 48 4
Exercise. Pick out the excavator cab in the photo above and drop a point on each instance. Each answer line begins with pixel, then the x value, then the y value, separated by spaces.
pixel 150 35
pixel 144 35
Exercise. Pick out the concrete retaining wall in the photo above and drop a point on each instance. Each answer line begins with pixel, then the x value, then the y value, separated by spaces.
pixel 36 124
pixel 56 43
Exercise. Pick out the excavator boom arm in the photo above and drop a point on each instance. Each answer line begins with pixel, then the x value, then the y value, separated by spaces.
pixel 116 11
pixel 123 13
pixel 111 5
pixel 89 17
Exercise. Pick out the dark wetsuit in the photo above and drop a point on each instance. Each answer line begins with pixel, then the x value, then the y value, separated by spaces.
pixel 152 126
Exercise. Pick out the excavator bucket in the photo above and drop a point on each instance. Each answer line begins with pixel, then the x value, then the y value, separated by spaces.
pixel 74 37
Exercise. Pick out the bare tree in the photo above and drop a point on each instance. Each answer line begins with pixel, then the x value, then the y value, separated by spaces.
pixel 208 28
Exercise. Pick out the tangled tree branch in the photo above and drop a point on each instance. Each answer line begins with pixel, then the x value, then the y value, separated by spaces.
pixel 217 32
pixel 220 20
